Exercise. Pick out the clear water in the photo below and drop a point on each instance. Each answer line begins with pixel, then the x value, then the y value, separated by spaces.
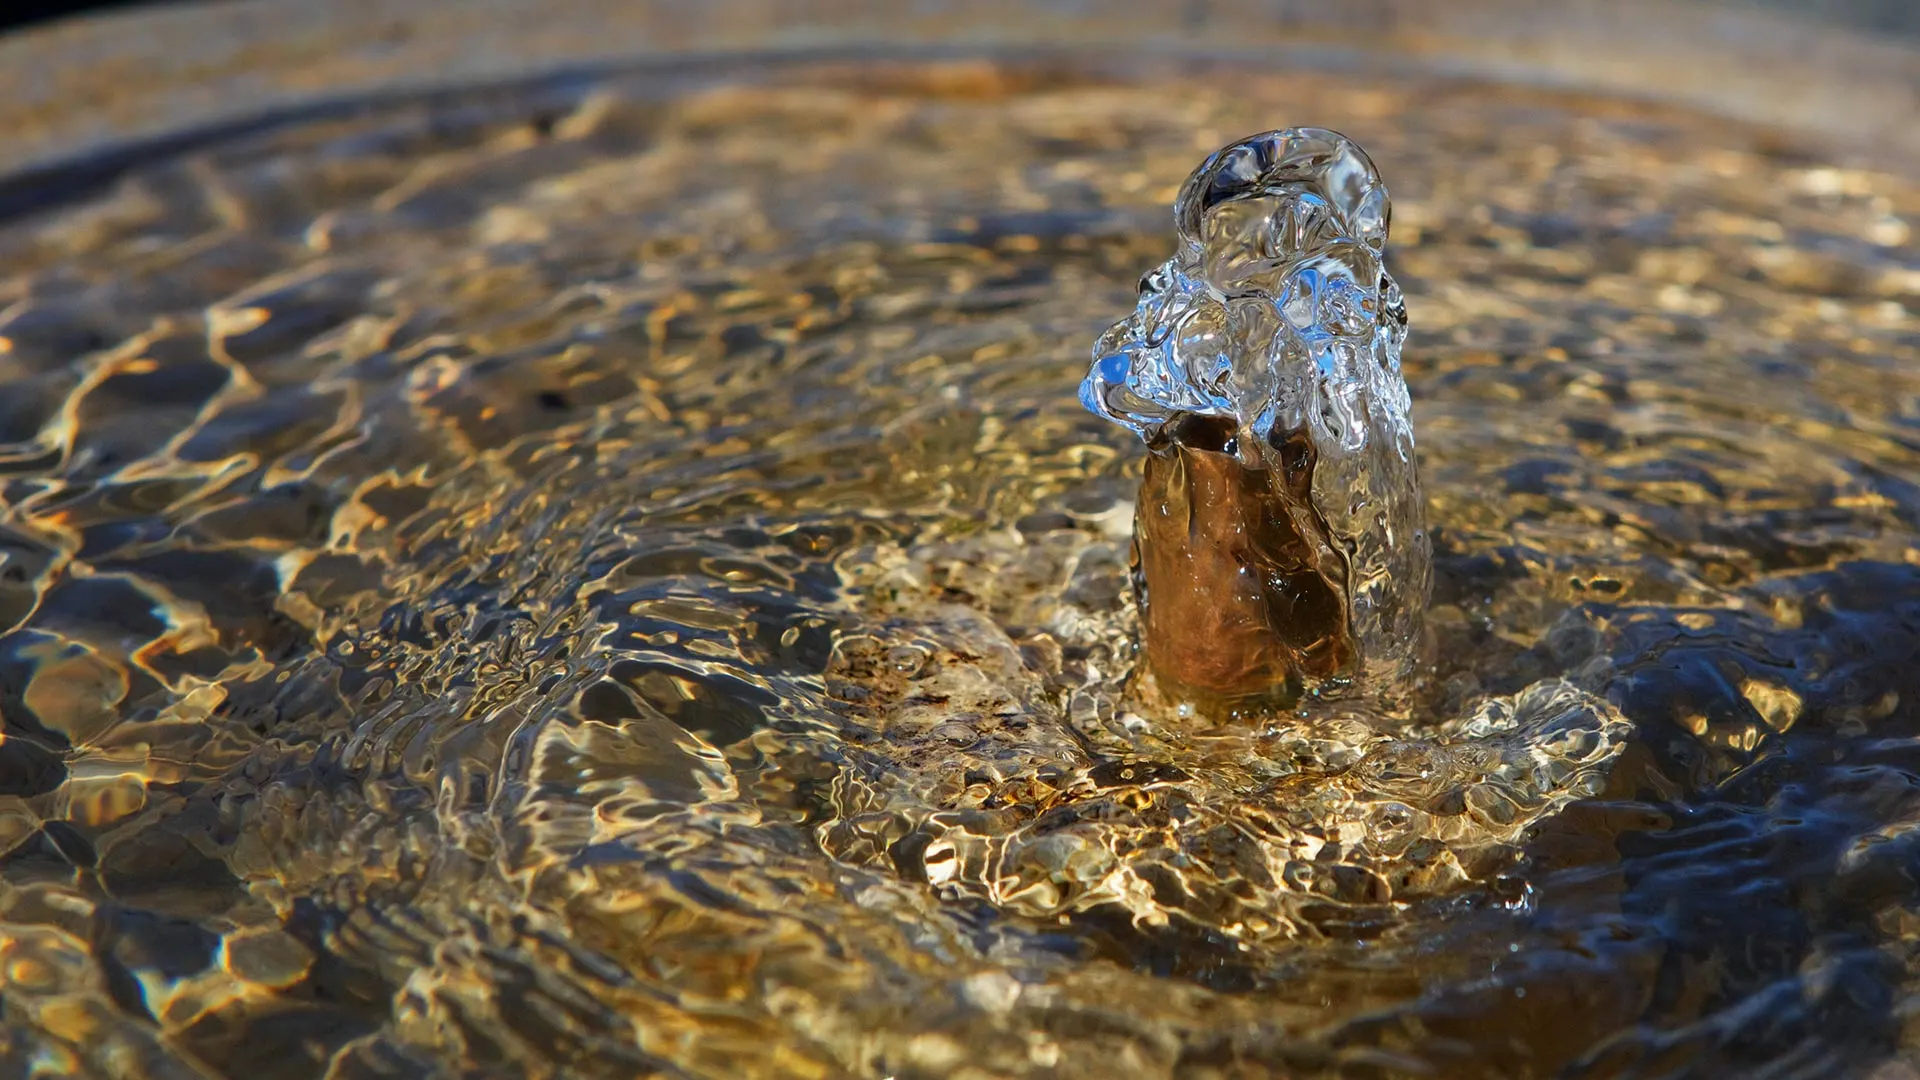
pixel 613 579
pixel 1277 316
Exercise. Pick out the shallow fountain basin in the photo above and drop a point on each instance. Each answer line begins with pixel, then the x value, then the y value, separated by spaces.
pixel 561 542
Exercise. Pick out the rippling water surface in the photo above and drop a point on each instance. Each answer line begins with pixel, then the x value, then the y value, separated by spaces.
pixel 611 578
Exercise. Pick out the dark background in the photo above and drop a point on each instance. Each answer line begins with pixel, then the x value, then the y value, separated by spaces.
pixel 22 12
pixel 1888 16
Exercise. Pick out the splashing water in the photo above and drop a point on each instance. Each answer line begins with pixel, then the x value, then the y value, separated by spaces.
pixel 1277 309
pixel 1269 823
pixel 604 578
pixel 1278 314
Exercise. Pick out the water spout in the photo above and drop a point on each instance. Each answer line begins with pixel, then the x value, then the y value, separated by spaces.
pixel 1279 538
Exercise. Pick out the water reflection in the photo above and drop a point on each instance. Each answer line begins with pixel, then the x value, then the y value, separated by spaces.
pixel 627 593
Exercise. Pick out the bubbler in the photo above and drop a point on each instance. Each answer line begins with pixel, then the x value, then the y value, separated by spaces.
pixel 1279 538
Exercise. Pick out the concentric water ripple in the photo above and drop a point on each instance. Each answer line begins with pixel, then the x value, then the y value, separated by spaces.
pixel 612 579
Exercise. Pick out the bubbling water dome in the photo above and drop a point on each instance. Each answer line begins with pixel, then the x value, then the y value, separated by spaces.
pixel 1279 538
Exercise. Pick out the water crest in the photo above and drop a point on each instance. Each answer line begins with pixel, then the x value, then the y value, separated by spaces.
pixel 1276 315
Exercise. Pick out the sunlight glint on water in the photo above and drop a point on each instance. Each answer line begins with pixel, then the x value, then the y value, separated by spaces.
pixel 613 580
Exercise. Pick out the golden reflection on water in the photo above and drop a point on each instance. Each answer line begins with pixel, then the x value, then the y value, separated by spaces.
pixel 613 580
